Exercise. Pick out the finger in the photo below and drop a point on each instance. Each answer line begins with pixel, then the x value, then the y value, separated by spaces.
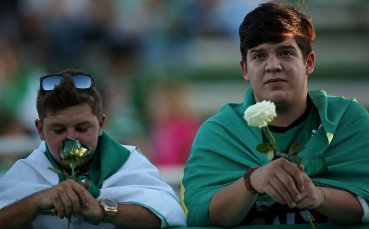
pixel 303 202
pixel 301 167
pixel 74 200
pixel 306 202
pixel 295 173
pixel 275 194
pixel 287 189
pixel 67 203
pixel 85 185
pixel 82 194
pixel 84 197
pixel 308 199
pixel 58 206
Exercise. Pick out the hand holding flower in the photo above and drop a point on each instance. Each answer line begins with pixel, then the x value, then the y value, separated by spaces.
pixel 279 179
pixel 312 196
pixel 73 153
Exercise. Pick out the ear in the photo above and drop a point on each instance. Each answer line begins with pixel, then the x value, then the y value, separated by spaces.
pixel 243 66
pixel 309 62
pixel 101 123
pixel 39 127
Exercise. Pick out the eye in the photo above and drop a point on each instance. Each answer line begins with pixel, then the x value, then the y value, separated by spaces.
pixel 287 53
pixel 82 128
pixel 58 130
pixel 258 56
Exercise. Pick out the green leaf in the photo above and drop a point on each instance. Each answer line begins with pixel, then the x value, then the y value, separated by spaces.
pixel 295 148
pixel 264 147
pixel 294 158
pixel 56 170
pixel 61 172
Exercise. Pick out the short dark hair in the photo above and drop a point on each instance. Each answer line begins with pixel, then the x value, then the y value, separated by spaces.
pixel 66 95
pixel 271 23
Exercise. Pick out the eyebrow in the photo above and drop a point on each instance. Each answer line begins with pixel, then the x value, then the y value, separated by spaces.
pixel 286 47
pixel 282 47
pixel 62 125
pixel 257 50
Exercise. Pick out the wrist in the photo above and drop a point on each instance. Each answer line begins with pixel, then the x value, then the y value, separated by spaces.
pixel 101 214
pixel 109 209
pixel 247 180
pixel 324 196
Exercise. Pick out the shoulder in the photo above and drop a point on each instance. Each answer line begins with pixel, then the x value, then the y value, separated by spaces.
pixel 338 111
pixel 36 158
pixel 228 114
pixel 34 167
pixel 137 159
pixel 334 106
pixel 131 148
pixel 350 106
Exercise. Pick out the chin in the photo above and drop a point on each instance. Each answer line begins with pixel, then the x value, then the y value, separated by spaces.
pixel 277 96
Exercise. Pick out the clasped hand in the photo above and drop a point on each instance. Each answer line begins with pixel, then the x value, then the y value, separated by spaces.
pixel 287 183
pixel 70 198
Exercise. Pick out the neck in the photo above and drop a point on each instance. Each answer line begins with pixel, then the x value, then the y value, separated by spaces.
pixel 287 114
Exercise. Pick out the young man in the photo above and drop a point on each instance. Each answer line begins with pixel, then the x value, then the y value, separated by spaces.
pixel 227 182
pixel 115 185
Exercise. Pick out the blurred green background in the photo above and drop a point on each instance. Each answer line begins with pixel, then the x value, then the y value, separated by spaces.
pixel 163 66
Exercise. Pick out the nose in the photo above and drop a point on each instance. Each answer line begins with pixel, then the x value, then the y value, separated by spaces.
pixel 71 133
pixel 273 64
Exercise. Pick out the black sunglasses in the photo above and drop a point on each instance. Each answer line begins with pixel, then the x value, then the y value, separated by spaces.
pixel 81 81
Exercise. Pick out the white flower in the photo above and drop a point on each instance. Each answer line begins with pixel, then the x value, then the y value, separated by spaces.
pixel 260 114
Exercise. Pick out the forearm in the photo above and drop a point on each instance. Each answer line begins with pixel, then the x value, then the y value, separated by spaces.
pixel 341 206
pixel 19 214
pixel 135 216
pixel 229 206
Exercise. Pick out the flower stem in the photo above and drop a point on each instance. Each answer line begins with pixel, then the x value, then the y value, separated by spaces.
pixel 309 218
pixel 69 220
pixel 270 137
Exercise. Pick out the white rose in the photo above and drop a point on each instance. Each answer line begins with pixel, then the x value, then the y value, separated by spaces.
pixel 260 114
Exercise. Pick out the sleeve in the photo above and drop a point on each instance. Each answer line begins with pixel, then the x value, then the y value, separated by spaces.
pixel 197 187
pixel 138 182
pixel 220 155
pixel 26 177
pixel 365 207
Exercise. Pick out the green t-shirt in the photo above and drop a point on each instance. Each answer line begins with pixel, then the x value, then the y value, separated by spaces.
pixel 335 155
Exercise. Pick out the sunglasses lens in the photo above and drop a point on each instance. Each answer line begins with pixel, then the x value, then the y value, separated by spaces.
pixel 50 82
pixel 80 81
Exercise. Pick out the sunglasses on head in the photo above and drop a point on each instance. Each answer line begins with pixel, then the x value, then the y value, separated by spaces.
pixel 80 81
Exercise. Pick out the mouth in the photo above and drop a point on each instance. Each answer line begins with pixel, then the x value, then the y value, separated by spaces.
pixel 275 81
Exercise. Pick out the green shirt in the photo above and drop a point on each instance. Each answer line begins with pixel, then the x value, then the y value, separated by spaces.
pixel 335 155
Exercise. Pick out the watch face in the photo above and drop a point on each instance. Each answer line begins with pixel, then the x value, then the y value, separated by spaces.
pixel 109 203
